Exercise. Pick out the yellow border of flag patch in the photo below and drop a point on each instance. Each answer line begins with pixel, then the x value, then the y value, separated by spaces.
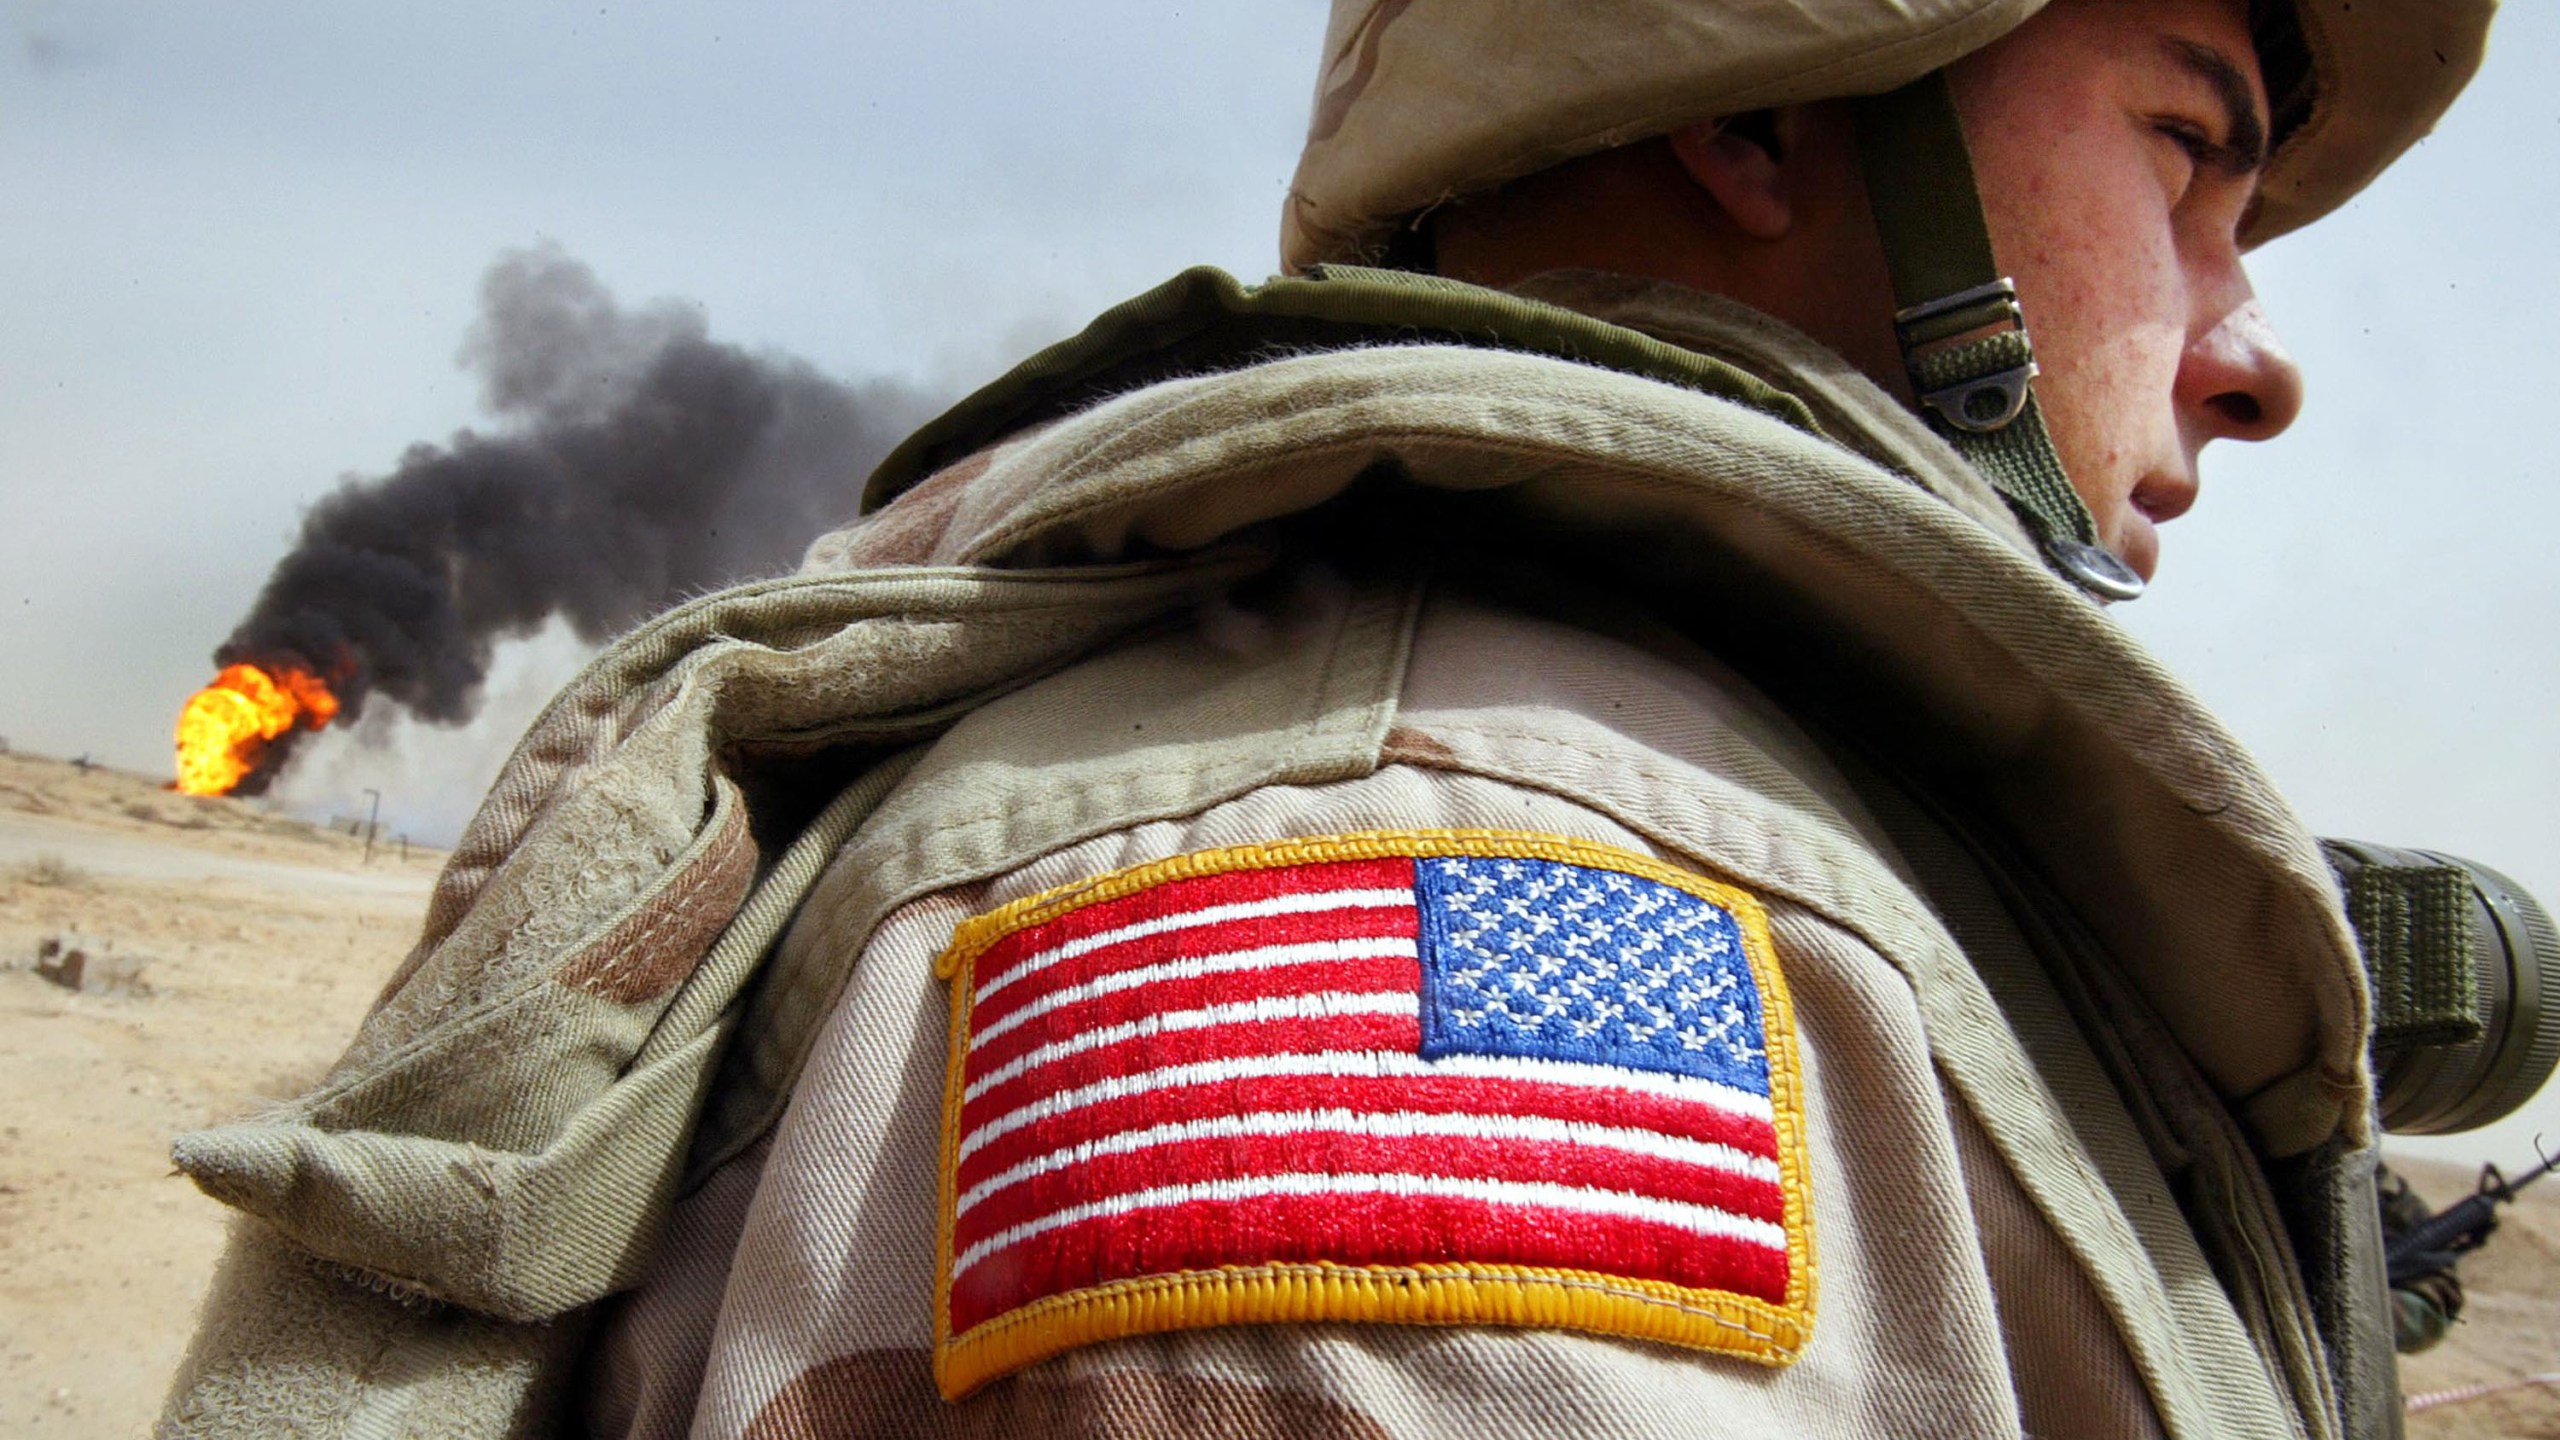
pixel 1434 1294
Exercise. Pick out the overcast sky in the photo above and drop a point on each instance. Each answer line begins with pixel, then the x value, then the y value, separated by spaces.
pixel 239 247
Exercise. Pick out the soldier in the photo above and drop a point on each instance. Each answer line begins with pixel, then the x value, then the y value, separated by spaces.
pixel 2423 1306
pixel 1556 847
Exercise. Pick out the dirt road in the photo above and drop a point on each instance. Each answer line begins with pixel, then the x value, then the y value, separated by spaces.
pixel 24 838
pixel 242 951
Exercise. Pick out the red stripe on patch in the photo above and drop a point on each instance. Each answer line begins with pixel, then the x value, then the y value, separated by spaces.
pixel 1182 1047
pixel 1357 1230
pixel 1437 1095
pixel 1333 1152
pixel 1179 896
pixel 1191 942
pixel 1231 987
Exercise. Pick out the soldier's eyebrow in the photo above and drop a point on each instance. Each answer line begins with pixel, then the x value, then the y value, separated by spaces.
pixel 2245 148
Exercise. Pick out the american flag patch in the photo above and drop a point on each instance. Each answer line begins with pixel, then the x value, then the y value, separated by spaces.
pixel 1445 1077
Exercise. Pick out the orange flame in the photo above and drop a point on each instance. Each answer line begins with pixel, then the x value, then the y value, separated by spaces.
pixel 226 725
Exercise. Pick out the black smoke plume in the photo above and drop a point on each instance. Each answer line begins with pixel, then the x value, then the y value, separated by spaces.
pixel 633 462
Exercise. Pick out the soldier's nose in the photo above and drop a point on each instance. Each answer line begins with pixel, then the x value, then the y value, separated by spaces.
pixel 2237 381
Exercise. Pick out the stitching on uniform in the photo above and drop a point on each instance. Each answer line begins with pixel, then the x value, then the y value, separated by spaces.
pixel 714 867
pixel 1398 1274
pixel 676 907
pixel 974 935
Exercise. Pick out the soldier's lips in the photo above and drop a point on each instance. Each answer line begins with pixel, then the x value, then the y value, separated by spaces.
pixel 2161 498
pixel 2157 500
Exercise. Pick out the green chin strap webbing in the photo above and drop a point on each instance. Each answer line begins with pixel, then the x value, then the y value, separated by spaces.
pixel 1963 337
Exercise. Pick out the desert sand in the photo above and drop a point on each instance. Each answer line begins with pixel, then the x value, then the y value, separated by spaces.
pixel 229 953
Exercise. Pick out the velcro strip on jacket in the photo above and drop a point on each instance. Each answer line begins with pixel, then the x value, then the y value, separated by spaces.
pixel 2412 922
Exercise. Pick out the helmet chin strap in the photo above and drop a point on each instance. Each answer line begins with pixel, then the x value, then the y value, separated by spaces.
pixel 1963 336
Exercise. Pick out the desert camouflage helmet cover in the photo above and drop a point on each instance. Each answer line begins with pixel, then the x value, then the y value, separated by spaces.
pixel 1420 101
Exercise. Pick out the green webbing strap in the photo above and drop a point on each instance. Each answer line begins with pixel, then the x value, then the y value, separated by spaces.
pixel 1964 339
pixel 1927 208
pixel 2412 923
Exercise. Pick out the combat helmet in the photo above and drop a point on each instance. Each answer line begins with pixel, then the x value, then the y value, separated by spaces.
pixel 1419 102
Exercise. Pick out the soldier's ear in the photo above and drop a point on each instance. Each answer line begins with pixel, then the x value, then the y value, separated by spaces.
pixel 1739 162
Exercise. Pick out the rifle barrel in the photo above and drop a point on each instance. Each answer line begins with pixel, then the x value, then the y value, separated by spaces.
pixel 2507 1187
pixel 2462 1225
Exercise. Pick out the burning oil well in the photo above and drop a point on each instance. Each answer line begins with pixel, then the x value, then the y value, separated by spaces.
pixel 633 461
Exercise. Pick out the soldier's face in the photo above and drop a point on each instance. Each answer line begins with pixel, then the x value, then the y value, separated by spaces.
pixel 2118 144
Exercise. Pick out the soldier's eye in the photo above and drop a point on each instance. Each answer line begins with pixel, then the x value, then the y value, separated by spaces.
pixel 2201 149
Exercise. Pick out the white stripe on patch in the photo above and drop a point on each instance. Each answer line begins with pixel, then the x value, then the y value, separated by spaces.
pixel 1327 1005
pixel 1310 902
pixel 1537 1194
pixel 1308 952
pixel 1372 1064
pixel 1398 1125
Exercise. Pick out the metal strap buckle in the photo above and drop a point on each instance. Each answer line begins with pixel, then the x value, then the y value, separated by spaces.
pixel 1929 332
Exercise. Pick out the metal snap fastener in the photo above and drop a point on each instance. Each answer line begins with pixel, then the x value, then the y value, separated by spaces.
pixel 2094 568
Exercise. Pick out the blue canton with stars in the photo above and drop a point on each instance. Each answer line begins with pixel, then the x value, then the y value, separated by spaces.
pixel 1565 962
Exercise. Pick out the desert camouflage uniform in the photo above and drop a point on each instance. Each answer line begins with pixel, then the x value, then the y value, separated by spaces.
pixel 2080 1022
